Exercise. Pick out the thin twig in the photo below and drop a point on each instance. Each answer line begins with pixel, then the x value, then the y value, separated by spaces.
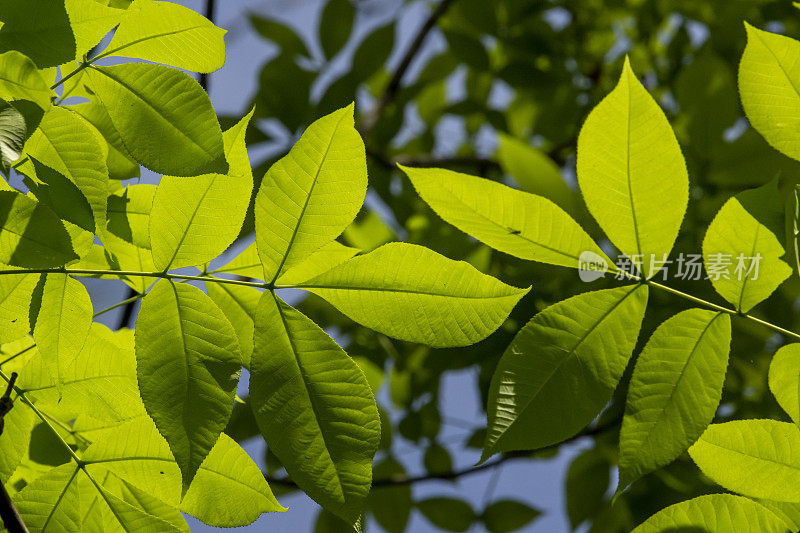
pixel 394 84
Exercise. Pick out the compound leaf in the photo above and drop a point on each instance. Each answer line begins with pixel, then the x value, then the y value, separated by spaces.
pixel 632 173
pixel 412 293
pixel 580 344
pixel 674 392
pixel 188 363
pixel 784 379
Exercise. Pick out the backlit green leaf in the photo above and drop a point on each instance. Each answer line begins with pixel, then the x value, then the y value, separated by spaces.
pixel 515 222
pixel 15 298
pixel 784 379
pixel 194 220
pixel 21 80
pixel 188 363
pixel 414 294
pixel 632 173
pixel 330 255
pixel 334 25
pixel 31 235
pixel 758 458
pixel 308 197
pixel 741 252
pixel 718 513
pixel 163 116
pixel 314 407
pixel 66 143
pixel 674 392
pixel 62 323
pixel 164 32
pixel 239 304
pixel 769 74
pixel 228 491
pixel 119 161
pixel 581 344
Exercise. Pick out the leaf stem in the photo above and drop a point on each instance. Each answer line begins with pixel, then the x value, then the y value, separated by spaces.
pixel 137 273
pixel 119 304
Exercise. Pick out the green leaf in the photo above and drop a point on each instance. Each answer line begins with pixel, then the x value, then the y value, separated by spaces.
pixel 741 251
pixel 412 293
pixel 327 257
pixel 71 27
pixel 169 33
pixel 448 514
pixel 31 235
pixel 314 408
pixel 15 439
pixel 194 220
pixel 505 516
pixel 720 513
pixel 228 491
pixel 21 80
pixel 588 478
pixel 61 195
pixel 769 73
pixel 100 380
pixel 534 171
pixel 246 263
pixel 16 291
pixel 188 363
pixel 129 213
pixel 62 323
pixel 239 304
pixel 373 52
pixel 308 197
pixel 13 130
pixel 51 503
pixel 632 173
pixel 163 116
pixel 66 143
pixel 582 344
pixel 119 161
pixel 335 25
pixel 784 379
pixel 757 458
pixel 674 392
pixel 290 42
pixel 515 222
pixel 390 505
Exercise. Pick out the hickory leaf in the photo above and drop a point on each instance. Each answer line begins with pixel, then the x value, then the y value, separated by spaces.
pixel 163 116
pixel 581 344
pixel 720 513
pixel 515 222
pixel 741 252
pixel 314 408
pixel 61 323
pixel 674 392
pixel 118 160
pixel 188 363
pixel 632 173
pixel 137 453
pixel 769 74
pixel 31 235
pixel 71 28
pixel 414 294
pixel 65 143
pixel 757 458
pixel 309 196
pixel 193 220
pixel 164 32
pixel 328 256
pixel 784 379
pixel 13 131
pixel 16 292
pixel 239 305
pixel 21 80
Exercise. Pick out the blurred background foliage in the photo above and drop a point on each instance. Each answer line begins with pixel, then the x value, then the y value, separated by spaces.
pixel 500 89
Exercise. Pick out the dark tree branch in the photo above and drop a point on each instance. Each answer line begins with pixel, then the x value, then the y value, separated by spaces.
pixel 404 479
pixel 210 16
pixel 394 83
